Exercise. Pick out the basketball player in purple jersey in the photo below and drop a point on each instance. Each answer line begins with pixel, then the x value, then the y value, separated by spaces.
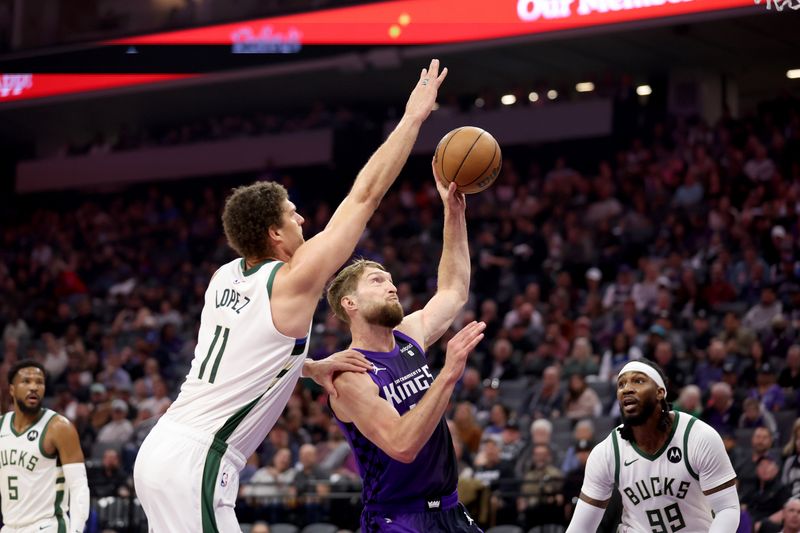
pixel 393 416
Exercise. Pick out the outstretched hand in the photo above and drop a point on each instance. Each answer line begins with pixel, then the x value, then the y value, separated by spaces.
pixel 451 198
pixel 423 97
pixel 323 371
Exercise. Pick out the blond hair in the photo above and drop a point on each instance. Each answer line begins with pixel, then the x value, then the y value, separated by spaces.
pixel 345 283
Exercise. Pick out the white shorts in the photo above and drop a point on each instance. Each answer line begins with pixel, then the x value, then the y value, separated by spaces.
pixel 187 482
pixel 47 525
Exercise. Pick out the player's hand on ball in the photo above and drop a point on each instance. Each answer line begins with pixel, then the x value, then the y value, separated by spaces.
pixel 451 198
pixel 460 346
pixel 324 371
pixel 420 103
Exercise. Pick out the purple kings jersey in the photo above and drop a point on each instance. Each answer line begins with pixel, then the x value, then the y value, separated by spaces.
pixel 402 376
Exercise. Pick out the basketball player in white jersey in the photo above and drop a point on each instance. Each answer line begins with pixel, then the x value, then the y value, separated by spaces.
pixel 670 468
pixel 254 337
pixel 42 474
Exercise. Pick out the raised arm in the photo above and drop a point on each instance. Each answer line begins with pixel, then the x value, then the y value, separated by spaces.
pixel 452 290
pixel 300 282
pixel 402 437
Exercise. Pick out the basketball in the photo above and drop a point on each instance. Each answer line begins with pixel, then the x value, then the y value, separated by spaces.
pixel 470 157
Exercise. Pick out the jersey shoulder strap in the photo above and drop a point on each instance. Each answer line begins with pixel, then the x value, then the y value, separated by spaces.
pixel 615 444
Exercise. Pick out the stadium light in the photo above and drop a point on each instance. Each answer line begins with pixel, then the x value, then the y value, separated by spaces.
pixel 508 99
pixel 644 90
pixel 584 87
pixel 533 96
pixel 793 74
pixel 552 94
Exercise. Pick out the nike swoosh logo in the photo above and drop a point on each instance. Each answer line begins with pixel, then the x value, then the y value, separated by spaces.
pixel 628 463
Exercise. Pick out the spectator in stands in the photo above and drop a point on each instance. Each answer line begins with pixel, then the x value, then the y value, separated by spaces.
pixel 789 378
pixel 718 291
pixel 738 339
pixel 791 516
pixel 119 429
pixel 511 443
pixel 760 443
pixel 721 412
pixel 690 401
pixel 676 375
pixel 547 397
pixel 499 365
pixel 759 317
pixel 582 360
pixel 790 475
pixel 470 389
pixel 498 476
pixel 108 478
pixel 259 527
pixel 767 391
pixel 583 432
pixel 617 356
pixel 542 498
pixel 270 487
pixel 710 371
pixel 618 292
pixel 498 418
pixel 312 485
pixel 754 415
pixel 466 427
pixel 581 401
pixel 763 498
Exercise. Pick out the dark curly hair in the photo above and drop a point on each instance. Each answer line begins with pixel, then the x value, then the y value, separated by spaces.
pixel 664 423
pixel 249 213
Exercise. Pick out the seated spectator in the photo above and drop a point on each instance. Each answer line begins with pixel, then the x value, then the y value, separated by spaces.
pixel 498 418
pixel 620 353
pixel 108 478
pixel 499 365
pixel 573 478
pixel 760 443
pixel 789 378
pixel 790 475
pixel 119 429
pixel 498 475
pixel 764 497
pixel 547 397
pixel 582 360
pixel 583 431
pixel 312 484
pixel 690 401
pixel 721 412
pixel 754 415
pixel 467 428
pixel 541 495
pixel 511 443
pixel 769 393
pixel 759 317
pixel 581 401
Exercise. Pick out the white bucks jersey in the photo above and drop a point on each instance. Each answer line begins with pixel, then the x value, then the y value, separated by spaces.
pixel 243 370
pixel 663 492
pixel 31 482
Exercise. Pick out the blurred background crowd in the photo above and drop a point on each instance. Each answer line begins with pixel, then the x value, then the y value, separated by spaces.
pixel 680 246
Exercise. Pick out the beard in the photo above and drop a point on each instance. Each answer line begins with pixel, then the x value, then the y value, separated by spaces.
pixel 648 406
pixel 388 315
pixel 27 409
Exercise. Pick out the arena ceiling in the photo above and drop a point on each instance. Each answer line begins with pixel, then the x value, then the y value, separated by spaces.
pixel 754 47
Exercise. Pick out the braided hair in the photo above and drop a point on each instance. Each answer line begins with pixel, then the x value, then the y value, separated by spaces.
pixel 665 421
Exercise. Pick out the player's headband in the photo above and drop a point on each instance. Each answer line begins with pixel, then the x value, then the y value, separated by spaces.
pixel 649 371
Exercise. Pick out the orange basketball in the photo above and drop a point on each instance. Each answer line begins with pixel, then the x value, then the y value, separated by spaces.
pixel 469 156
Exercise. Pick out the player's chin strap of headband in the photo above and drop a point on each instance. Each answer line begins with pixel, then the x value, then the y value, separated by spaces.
pixel 649 371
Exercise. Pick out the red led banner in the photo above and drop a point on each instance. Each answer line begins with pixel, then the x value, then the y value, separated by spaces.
pixel 432 21
pixel 26 86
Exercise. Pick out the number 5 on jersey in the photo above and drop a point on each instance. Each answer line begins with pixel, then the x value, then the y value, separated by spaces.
pixel 213 374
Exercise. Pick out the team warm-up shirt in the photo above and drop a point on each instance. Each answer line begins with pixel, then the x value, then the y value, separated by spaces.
pixel 31 482
pixel 403 376
pixel 244 369
pixel 661 493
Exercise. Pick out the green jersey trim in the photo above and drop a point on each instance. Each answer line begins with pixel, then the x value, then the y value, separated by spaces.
pixel 14 431
pixel 255 268
pixel 692 420
pixel 41 440
pixel 656 455
pixel 616 456
pixel 271 279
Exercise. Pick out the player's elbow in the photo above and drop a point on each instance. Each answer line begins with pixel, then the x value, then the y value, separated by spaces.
pixel 404 453
pixel 405 457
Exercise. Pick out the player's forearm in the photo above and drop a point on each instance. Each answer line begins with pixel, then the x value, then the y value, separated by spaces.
pixel 76 481
pixel 417 425
pixel 454 266
pixel 586 518
pixel 386 163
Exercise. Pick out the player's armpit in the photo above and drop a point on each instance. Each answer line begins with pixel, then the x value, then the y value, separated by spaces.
pixel 429 323
pixel 602 504
pixel 718 488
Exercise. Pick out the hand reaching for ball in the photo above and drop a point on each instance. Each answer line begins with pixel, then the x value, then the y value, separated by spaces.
pixel 451 198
